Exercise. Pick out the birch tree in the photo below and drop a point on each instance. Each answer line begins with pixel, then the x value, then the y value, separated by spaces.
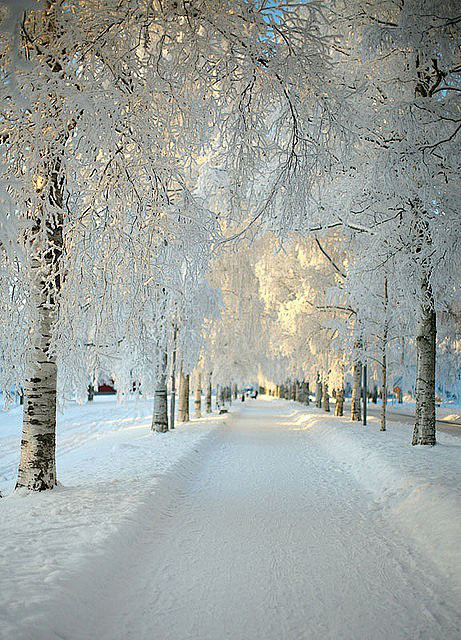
pixel 400 183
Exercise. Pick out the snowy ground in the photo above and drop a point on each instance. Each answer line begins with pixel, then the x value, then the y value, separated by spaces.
pixel 277 522
pixel 109 465
pixel 445 412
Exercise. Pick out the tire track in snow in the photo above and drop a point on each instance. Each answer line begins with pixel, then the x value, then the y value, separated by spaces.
pixel 273 541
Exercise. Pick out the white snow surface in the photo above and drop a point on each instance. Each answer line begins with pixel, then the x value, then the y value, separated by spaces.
pixel 447 411
pixel 276 521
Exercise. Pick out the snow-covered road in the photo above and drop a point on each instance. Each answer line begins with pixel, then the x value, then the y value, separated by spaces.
pixel 270 539
pixel 279 523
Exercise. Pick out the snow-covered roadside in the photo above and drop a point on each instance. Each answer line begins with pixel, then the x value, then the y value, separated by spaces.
pixel 418 487
pixel 110 465
pixel 446 412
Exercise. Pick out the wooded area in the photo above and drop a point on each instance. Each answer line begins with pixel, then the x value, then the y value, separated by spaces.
pixel 223 192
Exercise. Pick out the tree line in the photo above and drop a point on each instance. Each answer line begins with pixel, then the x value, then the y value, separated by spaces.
pixel 141 143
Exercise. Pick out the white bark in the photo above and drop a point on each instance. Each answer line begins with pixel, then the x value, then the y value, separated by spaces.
pixel 318 393
pixel 160 416
pixel 384 389
pixel 424 431
pixel 173 379
pixel 37 466
pixel 198 396
pixel 384 359
pixel 356 410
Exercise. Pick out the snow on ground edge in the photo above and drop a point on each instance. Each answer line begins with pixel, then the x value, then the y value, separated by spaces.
pixel 116 480
pixel 418 487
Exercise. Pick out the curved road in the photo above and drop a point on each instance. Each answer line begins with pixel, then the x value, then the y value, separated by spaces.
pixel 454 428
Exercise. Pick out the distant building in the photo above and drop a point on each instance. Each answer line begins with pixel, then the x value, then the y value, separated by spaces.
pixel 107 387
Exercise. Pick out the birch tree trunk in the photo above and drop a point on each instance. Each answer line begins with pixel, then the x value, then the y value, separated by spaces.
pixel 183 402
pixel 160 415
pixel 198 396
pixel 180 393
pixel 208 395
pixel 186 397
pixel 384 360
pixel 424 431
pixel 173 378
pixel 384 388
pixel 318 393
pixel 325 398
pixel 37 465
pixel 302 392
pixel 356 411
pixel 222 396
pixel 339 408
pixel 297 391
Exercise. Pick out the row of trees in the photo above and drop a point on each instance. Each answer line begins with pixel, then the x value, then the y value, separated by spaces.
pixel 141 143
pixel 109 113
pixel 373 268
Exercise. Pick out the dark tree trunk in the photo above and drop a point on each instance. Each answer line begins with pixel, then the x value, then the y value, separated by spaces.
pixel 325 398
pixel 90 393
pixel 208 395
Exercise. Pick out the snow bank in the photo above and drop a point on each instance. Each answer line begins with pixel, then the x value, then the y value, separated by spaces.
pixel 116 475
pixel 447 411
pixel 417 487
